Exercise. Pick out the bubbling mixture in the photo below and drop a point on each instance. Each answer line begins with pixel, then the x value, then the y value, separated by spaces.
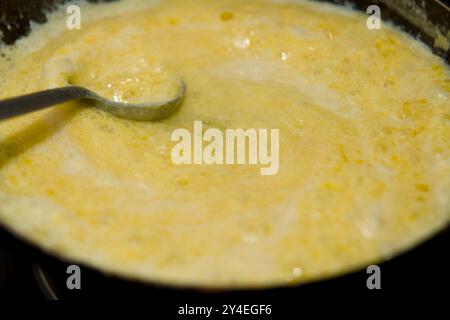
pixel 364 120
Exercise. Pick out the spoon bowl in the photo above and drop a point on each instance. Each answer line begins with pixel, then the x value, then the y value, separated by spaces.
pixel 13 107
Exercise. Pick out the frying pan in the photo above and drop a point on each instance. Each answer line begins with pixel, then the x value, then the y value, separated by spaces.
pixel 422 268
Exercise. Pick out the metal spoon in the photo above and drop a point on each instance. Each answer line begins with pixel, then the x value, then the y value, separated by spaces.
pixel 139 112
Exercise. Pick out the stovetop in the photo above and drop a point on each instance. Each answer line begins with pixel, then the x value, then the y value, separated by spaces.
pixel 17 279
pixel 425 269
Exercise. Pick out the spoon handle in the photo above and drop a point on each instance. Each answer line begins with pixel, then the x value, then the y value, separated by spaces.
pixel 35 101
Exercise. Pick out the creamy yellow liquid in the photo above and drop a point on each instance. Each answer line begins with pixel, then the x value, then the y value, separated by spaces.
pixel 364 119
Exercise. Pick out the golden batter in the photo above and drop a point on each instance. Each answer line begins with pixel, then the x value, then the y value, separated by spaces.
pixel 364 119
